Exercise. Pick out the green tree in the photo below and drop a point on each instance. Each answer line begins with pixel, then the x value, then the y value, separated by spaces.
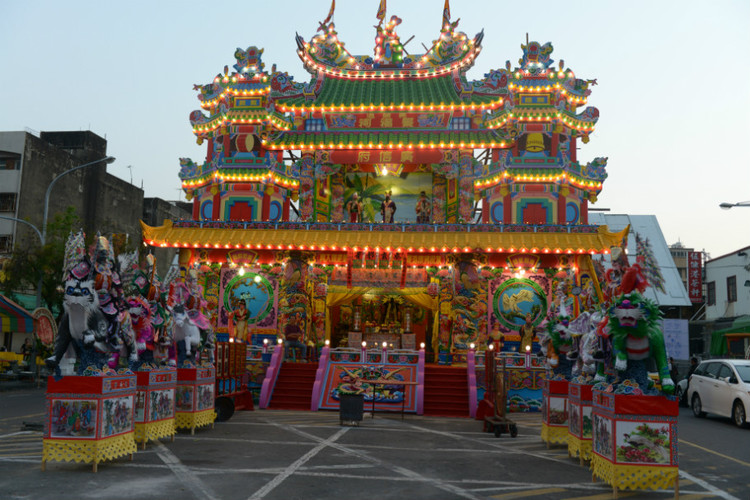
pixel 22 270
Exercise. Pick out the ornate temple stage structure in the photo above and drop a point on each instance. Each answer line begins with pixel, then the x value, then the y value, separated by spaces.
pixel 390 199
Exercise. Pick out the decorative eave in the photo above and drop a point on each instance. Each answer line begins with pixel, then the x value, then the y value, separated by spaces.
pixel 388 140
pixel 532 175
pixel 412 238
pixel 436 94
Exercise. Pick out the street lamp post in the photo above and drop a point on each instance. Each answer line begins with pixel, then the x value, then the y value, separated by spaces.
pixel 727 206
pixel 106 159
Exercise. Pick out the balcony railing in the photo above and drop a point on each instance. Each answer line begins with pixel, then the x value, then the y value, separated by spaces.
pixel 392 227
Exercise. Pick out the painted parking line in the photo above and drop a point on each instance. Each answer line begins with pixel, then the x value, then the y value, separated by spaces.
pixel 708 450
pixel 608 496
pixel 528 493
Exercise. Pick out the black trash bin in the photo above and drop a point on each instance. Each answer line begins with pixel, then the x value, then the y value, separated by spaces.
pixel 351 408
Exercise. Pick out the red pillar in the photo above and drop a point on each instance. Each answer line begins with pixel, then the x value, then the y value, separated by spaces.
pixel 196 207
pixel 217 205
pixel 486 210
pixel 584 211
pixel 265 207
pixel 553 146
pixel 210 150
pixel 507 210
pixel 561 207
pixel 227 145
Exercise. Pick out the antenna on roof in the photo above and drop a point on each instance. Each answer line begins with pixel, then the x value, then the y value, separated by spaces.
pixel 527 38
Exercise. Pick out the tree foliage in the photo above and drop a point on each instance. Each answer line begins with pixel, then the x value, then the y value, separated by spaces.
pixel 26 264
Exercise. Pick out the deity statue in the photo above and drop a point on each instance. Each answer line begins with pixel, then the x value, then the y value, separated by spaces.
pixel 388 208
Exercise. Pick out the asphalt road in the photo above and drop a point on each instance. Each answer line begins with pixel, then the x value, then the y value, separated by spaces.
pixel 308 455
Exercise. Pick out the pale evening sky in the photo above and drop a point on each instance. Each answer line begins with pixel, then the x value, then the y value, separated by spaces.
pixel 672 83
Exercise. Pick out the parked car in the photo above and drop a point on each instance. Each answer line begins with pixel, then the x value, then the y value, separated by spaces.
pixel 721 387
pixel 681 391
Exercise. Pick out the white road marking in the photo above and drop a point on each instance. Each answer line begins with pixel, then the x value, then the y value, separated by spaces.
pixel 184 474
pixel 713 489
pixel 272 484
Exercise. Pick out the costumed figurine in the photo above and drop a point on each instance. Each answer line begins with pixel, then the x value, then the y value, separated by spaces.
pixel 557 343
pixel 388 208
pixel 354 208
pixel 526 332
pixel 191 330
pixel 423 209
pixel 636 335
pixel 112 303
pixel 83 326
pixel 238 321
pixel 149 287
pixel 140 317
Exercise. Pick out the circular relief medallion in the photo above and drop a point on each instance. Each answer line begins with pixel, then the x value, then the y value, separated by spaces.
pixel 255 290
pixel 516 298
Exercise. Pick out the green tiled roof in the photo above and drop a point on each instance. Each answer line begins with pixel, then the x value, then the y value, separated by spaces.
pixel 290 139
pixel 386 92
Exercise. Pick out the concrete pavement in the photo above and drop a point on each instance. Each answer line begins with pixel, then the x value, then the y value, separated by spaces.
pixel 308 455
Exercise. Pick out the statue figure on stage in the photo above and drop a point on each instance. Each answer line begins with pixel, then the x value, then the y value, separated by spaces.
pixel 527 335
pixel 423 209
pixel 354 208
pixel 238 321
pixel 388 208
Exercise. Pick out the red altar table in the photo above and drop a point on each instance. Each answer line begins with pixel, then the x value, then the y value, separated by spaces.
pixel 555 412
pixel 635 441
pixel 579 421
pixel 89 419
pixel 195 398
pixel 154 404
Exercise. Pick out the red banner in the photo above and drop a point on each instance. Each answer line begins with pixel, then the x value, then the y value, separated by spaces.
pixel 695 277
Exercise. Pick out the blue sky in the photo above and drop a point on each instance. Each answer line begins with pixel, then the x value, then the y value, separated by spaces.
pixel 672 83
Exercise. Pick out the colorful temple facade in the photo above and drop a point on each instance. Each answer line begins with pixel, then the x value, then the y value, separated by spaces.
pixel 389 198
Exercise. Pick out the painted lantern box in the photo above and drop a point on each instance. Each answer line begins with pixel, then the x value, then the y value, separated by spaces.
pixel 579 420
pixel 635 440
pixel 194 397
pixel 155 404
pixel 89 419
pixel 555 409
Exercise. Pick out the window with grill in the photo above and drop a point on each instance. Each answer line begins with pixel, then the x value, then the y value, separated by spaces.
pixel 8 164
pixel 711 293
pixel 314 125
pixel 461 124
pixel 6 243
pixel 7 202
pixel 732 289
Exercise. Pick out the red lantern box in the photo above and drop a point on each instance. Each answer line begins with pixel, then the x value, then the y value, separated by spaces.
pixel 555 412
pixel 579 420
pixel 635 440
pixel 89 419
pixel 194 396
pixel 154 404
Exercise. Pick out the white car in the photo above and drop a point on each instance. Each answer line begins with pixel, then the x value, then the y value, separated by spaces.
pixel 721 387
pixel 680 392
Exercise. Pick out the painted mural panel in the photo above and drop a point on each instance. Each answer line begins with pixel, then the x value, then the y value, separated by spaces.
pixel 73 418
pixel 117 416
pixel 405 188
